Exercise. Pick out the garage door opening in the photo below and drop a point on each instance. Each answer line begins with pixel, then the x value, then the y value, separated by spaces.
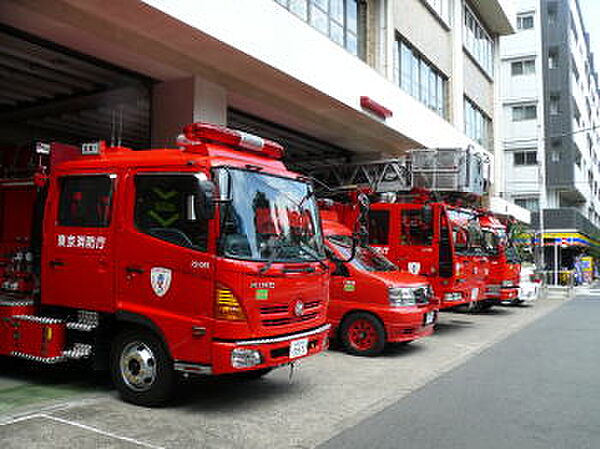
pixel 49 93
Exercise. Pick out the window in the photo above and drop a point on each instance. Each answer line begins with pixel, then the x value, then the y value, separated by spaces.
pixel 525 158
pixel 553 58
pixel 554 104
pixel 524 112
pixel 85 201
pixel 442 8
pixel 478 126
pixel 379 227
pixel 165 208
pixel 552 12
pixel 421 79
pixel 416 228
pixel 576 113
pixel 337 19
pixel 532 204
pixel 524 67
pixel 478 42
pixel 525 21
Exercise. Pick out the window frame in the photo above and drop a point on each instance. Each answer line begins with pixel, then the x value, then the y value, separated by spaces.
pixel 388 226
pixel 149 174
pixel 478 125
pixel 305 13
pixel 523 116
pixel 431 92
pixel 112 177
pixel 474 33
pixel 528 158
pixel 521 17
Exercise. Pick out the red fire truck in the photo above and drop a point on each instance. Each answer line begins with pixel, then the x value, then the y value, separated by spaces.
pixel 427 238
pixel 206 259
pixel 372 302
pixel 471 257
pixel 505 265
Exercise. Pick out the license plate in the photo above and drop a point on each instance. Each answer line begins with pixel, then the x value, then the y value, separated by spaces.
pixel 429 318
pixel 298 348
pixel 474 294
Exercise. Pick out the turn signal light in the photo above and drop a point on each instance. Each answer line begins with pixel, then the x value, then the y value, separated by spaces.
pixel 227 306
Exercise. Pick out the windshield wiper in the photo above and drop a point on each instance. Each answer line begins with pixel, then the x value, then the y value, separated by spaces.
pixel 315 257
pixel 275 245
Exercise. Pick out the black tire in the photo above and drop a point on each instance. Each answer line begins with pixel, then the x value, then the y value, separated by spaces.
pixel 141 368
pixel 362 334
pixel 482 306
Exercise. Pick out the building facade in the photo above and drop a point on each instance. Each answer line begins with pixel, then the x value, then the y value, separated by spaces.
pixel 551 135
pixel 313 74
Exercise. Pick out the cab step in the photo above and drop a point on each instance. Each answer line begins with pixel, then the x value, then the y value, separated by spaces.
pixel 87 321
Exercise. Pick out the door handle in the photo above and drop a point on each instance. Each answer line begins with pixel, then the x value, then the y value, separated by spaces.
pixel 56 263
pixel 134 270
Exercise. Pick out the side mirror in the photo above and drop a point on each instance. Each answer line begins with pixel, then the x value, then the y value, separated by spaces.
pixel 204 201
pixel 340 269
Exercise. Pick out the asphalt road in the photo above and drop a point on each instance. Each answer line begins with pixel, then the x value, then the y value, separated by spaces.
pixel 43 407
pixel 540 388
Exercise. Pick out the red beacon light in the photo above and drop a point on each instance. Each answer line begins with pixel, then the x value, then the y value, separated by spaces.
pixel 238 139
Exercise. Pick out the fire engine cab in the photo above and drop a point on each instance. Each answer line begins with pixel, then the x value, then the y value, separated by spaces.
pixel 422 238
pixel 505 265
pixel 205 259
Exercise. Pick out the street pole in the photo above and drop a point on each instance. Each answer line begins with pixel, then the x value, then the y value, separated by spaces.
pixel 542 202
pixel 555 261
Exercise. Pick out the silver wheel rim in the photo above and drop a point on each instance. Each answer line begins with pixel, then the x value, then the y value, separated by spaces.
pixel 138 366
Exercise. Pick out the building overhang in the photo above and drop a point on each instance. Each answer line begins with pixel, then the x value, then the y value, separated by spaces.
pixel 498 15
pixel 268 71
pixel 502 207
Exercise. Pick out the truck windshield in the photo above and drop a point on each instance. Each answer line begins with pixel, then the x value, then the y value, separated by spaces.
pixel 494 239
pixel 268 217
pixel 468 236
pixel 365 257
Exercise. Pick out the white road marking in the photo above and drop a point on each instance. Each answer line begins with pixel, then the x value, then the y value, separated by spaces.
pixel 80 426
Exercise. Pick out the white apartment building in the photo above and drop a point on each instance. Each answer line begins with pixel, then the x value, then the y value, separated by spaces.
pixel 330 79
pixel 551 135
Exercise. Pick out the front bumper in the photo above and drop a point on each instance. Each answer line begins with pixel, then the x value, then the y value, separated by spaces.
pixel 275 351
pixel 408 327
pixel 501 293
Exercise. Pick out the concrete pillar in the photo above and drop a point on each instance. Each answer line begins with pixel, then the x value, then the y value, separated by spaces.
pixel 180 102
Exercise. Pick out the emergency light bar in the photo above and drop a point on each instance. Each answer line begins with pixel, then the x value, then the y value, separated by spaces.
pixel 235 138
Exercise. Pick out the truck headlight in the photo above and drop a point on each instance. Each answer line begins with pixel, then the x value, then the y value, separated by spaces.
pixel 245 358
pixel 409 296
pixel 507 284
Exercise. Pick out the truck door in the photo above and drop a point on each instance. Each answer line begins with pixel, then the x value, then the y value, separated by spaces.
pixel 78 248
pixel 379 223
pixel 416 250
pixel 165 272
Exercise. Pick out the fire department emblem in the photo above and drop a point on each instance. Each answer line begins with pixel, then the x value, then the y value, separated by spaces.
pixel 160 279
pixel 414 267
pixel 299 308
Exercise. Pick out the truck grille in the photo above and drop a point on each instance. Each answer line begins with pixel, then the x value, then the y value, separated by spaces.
pixel 283 314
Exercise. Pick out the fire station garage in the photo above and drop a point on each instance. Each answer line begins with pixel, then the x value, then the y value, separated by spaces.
pixel 49 93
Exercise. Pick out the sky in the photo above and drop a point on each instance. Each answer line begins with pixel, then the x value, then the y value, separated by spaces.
pixel 590 9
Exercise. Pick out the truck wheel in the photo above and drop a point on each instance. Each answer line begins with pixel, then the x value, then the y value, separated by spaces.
pixel 362 334
pixel 141 369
